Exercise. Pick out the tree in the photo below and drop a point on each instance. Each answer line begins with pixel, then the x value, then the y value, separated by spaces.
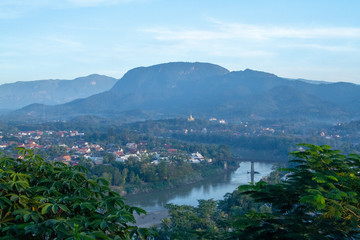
pixel 319 199
pixel 42 200
pixel 188 222
pixel 109 158
pixel 55 151
pixel 107 176
pixel 117 177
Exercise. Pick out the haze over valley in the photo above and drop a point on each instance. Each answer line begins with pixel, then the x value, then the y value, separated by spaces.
pixel 161 120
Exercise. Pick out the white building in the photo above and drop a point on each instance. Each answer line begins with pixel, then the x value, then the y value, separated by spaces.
pixel 196 158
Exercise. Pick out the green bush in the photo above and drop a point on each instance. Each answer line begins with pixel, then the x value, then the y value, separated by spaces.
pixel 42 200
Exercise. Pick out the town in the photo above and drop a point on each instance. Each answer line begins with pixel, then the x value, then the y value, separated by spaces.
pixel 73 148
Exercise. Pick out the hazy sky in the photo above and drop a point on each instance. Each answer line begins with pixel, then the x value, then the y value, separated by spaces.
pixel 312 39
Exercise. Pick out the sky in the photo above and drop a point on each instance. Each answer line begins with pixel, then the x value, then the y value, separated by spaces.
pixel 65 39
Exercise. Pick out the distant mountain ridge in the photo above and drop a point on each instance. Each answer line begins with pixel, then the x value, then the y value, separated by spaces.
pixel 53 91
pixel 204 89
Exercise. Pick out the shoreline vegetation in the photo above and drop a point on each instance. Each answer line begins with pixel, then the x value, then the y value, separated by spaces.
pixel 143 188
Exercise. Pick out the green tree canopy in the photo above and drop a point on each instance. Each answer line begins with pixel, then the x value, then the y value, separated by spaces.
pixel 42 200
pixel 319 199
pixel 188 222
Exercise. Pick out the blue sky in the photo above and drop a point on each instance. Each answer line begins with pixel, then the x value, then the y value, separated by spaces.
pixel 65 39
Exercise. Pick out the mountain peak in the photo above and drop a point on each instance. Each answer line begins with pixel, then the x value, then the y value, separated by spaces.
pixel 95 76
pixel 169 74
pixel 248 71
pixel 183 67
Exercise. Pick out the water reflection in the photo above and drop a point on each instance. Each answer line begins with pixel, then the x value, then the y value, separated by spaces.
pixel 215 187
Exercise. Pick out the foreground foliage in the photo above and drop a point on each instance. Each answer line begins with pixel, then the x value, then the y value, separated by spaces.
pixel 42 200
pixel 318 198
pixel 188 222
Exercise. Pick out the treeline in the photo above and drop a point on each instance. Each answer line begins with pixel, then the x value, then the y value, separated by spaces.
pixel 133 175
pixel 288 132
pixel 244 135
pixel 279 146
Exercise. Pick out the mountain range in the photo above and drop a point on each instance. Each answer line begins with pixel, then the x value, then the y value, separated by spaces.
pixel 208 90
pixel 51 92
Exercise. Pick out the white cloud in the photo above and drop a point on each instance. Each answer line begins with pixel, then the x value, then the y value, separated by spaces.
pixel 222 30
pixel 269 32
pixel 253 41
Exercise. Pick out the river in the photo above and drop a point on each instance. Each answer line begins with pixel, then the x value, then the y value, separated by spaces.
pixel 211 188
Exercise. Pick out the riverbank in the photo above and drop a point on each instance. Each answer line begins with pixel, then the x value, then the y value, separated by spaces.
pixel 136 189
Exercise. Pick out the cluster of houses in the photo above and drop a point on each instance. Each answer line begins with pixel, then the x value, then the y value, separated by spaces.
pixel 155 157
pixel 76 148
pixel 30 139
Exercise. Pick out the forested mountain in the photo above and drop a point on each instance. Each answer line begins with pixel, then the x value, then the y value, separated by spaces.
pixel 208 90
pixel 51 92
